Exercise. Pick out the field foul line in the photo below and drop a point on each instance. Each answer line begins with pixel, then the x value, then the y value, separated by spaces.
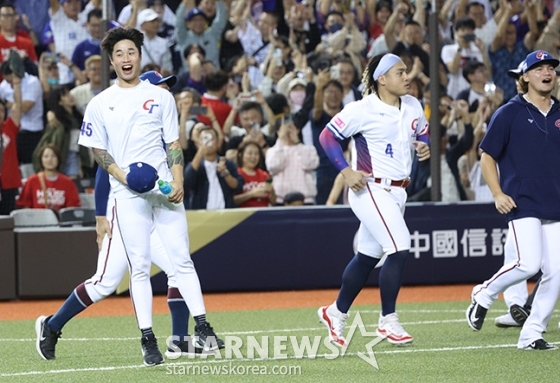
pixel 237 332
pixel 216 361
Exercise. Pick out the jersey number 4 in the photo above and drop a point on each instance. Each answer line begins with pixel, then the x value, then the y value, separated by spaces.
pixel 389 150
pixel 86 129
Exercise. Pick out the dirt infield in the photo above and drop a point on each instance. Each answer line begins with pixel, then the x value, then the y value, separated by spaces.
pixel 113 306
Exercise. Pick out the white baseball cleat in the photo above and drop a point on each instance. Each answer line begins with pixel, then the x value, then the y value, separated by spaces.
pixel 335 324
pixel 390 328
pixel 506 320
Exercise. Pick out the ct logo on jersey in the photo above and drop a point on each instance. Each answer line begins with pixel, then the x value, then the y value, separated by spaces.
pixel 557 124
pixel 149 105
pixel 414 124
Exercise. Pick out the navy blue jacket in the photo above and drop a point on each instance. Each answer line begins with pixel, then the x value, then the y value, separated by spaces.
pixel 526 146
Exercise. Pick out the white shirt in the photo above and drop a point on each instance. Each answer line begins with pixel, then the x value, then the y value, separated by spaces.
pixel 31 90
pixel 251 40
pixel 159 53
pixel 449 190
pixel 215 194
pixel 383 134
pixel 456 81
pixel 131 123
pixel 67 34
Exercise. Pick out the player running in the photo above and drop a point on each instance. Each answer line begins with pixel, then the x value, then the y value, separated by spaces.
pixel 386 125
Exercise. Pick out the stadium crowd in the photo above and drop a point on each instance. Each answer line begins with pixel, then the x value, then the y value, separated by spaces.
pixel 255 82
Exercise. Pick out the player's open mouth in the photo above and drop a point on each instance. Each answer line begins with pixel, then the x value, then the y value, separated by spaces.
pixel 127 69
pixel 547 80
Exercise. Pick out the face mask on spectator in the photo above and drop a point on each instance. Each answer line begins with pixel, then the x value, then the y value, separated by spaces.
pixel 52 81
pixel 297 97
pixel 335 27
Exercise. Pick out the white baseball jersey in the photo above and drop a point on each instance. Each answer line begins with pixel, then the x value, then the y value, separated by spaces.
pixel 131 123
pixel 383 134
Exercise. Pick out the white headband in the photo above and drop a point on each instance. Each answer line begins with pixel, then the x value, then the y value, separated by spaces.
pixel 385 64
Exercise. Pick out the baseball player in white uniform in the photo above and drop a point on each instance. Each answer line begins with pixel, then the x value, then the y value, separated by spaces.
pixel 125 126
pixel 112 266
pixel 386 126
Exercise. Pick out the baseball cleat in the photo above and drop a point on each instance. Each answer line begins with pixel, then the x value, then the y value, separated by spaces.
pixel 540 345
pixel 46 338
pixel 185 348
pixel 206 339
pixel 335 325
pixel 506 320
pixel 391 329
pixel 150 351
pixel 475 315
pixel 519 313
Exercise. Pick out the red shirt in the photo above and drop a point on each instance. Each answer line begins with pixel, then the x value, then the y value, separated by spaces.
pixel 21 44
pixel 251 182
pixel 10 176
pixel 61 193
pixel 221 110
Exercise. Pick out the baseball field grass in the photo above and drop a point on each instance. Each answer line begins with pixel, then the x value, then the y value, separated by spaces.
pixel 107 349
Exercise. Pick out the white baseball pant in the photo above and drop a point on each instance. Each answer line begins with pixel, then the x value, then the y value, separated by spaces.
pixel 516 294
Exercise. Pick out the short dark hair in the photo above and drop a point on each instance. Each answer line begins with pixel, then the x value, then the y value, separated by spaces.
pixel 251 105
pixel 383 4
pixel 334 83
pixel 5 68
pixel 474 4
pixel 113 36
pixel 334 13
pixel 7 4
pixel 465 23
pixel 94 13
pixel 412 22
pixel 216 81
pixel 277 102
pixel 471 66
pixel 188 48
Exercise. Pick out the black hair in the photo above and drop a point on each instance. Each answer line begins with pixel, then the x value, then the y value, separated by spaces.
pixel 474 4
pixel 194 93
pixel 383 4
pixel 231 62
pixel 113 36
pixel 94 13
pixel 188 48
pixel 5 68
pixel 367 77
pixel 334 83
pixel 277 102
pixel 274 16
pixel 56 152
pixel 5 105
pixel 8 4
pixel 62 115
pixel 249 106
pixel 284 40
pixel 465 23
pixel 412 22
pixel 216 81
pixel 334 13
pixel 471 66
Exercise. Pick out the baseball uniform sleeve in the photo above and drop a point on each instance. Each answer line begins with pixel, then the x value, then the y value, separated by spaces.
pixel 101 191
pixel 347 122
pixel 93 134
pixel 423 128
pixel 169 119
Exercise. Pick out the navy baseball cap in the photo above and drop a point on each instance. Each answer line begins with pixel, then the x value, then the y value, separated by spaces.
pixel 155 78
pixel 195 12
pixel 538 57
pixel 517 72
pixel 141 177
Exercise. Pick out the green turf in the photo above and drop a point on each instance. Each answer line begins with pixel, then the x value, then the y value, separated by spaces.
pixel 444 350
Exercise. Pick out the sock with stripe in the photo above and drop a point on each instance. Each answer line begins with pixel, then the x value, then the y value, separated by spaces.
pixel 70 308
pixel 147 332
pixel 179 314
pixel 354 279
pixel 390 280
pixel 200 319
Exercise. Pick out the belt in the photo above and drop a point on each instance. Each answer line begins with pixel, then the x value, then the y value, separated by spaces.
pixel 401 183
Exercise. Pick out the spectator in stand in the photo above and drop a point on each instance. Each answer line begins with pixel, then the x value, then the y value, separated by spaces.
pixel 68 26
pixel 10 40
pixel 10 176
pixel 49 188
pixel 256 40
pixel 391 31
pixel 230 45
pixel 193 28
pixel 257 188
pixel 216 87
pixel 211 180
pixel 346 73
pixel 383 10
pixel 184 79
pixel 92 44
pixel 38 14
pixel 477 76
pixel 63 130
pixel 84 93
pixel 506 51
pixel 294 198
pixel 305 33
pixel 467 47
pixel 413 38
pixel 155 49
pixel 327 103
pixel 31 128
pixel 291 164
pixel 49 74
pixel 485 27
pixel 166 14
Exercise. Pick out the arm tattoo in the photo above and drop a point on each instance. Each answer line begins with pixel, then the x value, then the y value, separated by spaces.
pixel 103 158
pixel 175 154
